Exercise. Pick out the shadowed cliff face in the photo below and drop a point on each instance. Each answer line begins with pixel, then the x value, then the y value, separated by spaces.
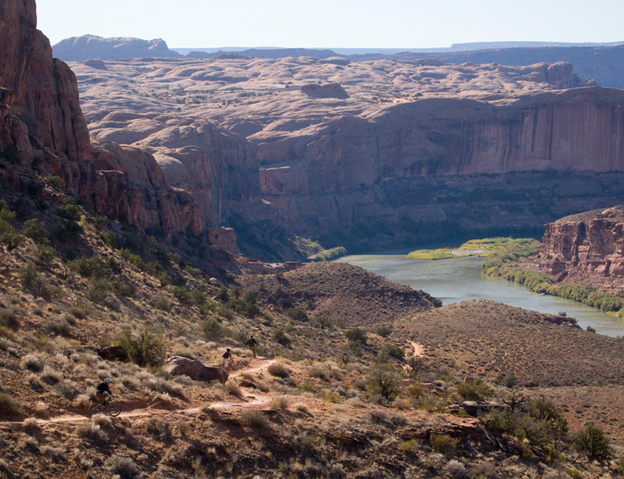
pixel 40 116
pixel 587 248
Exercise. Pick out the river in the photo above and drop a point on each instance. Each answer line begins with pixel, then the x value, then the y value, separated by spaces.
pixel 460 279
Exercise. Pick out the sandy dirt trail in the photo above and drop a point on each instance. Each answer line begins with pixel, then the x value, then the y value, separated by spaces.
pixel 419 349
pixel 258 400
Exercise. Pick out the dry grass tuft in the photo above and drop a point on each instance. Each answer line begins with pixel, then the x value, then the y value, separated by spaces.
pixel 232 389
pixel 30 426
pixel 279 371
pixel 123 467
pixel 32 363
pixel 8 406
pixel 254 418
pixel 279 404
pixel 302 407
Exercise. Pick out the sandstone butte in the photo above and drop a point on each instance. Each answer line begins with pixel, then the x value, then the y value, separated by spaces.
pixel 368 154
pixel 586 248
pixel 41 120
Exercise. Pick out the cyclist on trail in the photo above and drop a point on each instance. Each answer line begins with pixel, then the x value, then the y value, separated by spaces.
pixel 102 388
pixel 251 344
pixel 227 357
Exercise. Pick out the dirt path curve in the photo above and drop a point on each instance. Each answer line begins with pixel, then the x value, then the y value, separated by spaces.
pixel 419 349
pixel 249 401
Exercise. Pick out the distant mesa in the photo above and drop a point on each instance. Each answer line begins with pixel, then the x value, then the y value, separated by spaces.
pixel 342 61
pixel 331 90
pixel 97 64
pixel 89 47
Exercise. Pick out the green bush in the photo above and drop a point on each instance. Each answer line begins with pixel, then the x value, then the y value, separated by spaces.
pixel 45 254
pixel 212 329
pixel 443 443
pixel 145 350
pixel 8 236
pixel 297 314
pixel 474 390
pixel 98 290
pixel 593 443
pixel 383 379
pixel 87 267
pixel 394 351
pixel 35 231
pixel 384 331
pixel 279 370
pixel 56 182
pixel 281 337
pixel 356 335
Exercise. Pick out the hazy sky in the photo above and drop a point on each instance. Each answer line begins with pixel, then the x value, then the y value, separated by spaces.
pixel 334 23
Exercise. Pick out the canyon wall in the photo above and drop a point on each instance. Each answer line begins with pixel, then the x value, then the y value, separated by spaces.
pixel 336 177
pixel 88 47
pixel 587 248
pixel 41 122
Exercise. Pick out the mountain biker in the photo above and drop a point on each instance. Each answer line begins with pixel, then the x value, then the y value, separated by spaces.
pixel 102 388
pixel 227 357
pixel 251 344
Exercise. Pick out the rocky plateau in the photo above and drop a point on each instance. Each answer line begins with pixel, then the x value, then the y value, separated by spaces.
pixel 367 154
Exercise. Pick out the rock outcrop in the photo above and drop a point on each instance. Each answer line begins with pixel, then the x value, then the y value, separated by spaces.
pixel 196 370
pixel 87 47
pixel 42 122
pixel 587 248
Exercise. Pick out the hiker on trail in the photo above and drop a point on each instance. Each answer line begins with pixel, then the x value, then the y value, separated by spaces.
pixel 227 357
pixel 101 389
pixel 251 344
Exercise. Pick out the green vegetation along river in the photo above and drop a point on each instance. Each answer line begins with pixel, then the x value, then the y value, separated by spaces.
pixel 461 279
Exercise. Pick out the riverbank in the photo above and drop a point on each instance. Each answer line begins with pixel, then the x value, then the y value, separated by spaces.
pixel 474 247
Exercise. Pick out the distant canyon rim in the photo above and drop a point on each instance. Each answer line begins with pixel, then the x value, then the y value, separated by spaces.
pixel 367 154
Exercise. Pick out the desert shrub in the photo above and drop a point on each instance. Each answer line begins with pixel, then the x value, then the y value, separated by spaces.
pixel 383 379
pixel 232 389
pixel 443 443
pixel 71 211
pixel 8 318
pixel 356 335
pixel 122 466
pixel 384 331
pixel 279 370
pixel 336 471
pixel 474 390
pixel 29 276
pixel 35 231
pixel 45 253
pixel 507 379
pixel 78 313
pixel 254 418
pixel 57 454
pixel 32 363
pixel 8 406
pixel 56 182
pixel 302 407
pixel 408 447
pixel 163 304
pixel 484 470
pixel 88 267
pixel 223 295
pixel 58 326
pixel 145 350
pixel 394 351
pixel 163 386
pixel 50 376
pixel 159 429
pixel 66 389
pixel 98 290
pixel 322 322
pixel 592 442
pixel 31 426
pixel 318 373
pixel 281 337
pixel 279 404
pixel 212 329
pixel 330 396
pixel 297 314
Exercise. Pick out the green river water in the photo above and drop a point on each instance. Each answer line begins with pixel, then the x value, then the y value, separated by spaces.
pixel 455 280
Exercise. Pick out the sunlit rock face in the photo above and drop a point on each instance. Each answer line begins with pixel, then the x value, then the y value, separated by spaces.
pixel 41 119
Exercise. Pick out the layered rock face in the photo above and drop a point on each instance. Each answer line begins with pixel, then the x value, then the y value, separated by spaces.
pixel 587 248
pixel 88 47
pixel 40 117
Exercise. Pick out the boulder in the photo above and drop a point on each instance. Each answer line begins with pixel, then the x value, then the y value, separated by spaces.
pixel 196 370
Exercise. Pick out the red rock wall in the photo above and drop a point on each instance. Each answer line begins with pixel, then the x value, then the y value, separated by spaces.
pixel 40 114
pixel 587 248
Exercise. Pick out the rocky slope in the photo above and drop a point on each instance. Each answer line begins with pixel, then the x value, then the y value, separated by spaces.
pixel 379 151
pixel 586 248
pixel 88 47
pixel 42 127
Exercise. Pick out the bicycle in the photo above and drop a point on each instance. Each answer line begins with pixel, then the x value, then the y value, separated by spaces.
pixel 110 407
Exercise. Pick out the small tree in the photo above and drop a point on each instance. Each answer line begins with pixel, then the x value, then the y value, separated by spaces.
pixel 384 380
pixel 593 443
pixel 146 349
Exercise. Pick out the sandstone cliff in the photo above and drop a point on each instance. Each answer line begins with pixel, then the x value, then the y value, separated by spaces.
pixel 41 119
pixel 587 248
pixel 88 47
